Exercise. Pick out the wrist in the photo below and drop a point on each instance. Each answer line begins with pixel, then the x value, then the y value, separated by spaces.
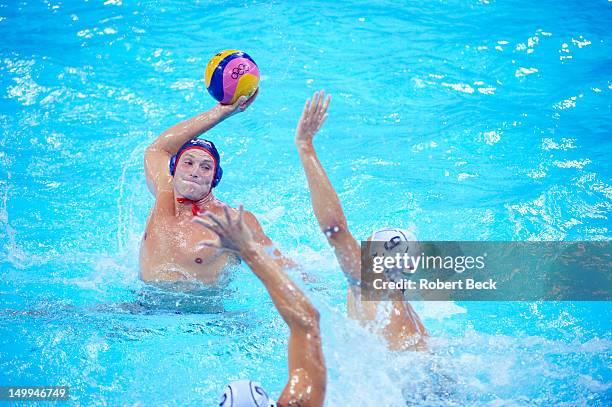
pixel 250 252
pixel 220 112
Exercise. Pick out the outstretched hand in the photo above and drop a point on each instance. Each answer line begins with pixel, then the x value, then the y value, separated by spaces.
pixel 234 235
pixel 313 116
pixel 238 106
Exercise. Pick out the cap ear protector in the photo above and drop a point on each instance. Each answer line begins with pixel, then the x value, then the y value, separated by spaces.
pixel 199 144
pixel 245 393
pixel 218 175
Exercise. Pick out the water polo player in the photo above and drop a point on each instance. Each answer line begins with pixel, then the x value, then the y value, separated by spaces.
pixel 307 373
pixel 403 328
pixel 181 172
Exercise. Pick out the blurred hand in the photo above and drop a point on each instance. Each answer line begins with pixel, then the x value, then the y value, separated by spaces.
pixel 234 235
pixel 313 116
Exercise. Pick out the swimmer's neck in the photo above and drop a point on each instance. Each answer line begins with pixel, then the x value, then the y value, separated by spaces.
pixel 184 210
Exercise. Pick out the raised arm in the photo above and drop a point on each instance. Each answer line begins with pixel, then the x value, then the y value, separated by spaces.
pixel 401 325
pixel 158 154
pixel 324 199
pixel 307 373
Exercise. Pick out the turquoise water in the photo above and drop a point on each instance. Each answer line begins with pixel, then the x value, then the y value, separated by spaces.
pixel 468 120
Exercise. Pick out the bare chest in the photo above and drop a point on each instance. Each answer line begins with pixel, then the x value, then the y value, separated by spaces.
pixel 172 250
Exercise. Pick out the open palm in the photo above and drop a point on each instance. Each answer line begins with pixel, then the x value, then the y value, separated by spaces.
pixel 233 235
pixel 313 117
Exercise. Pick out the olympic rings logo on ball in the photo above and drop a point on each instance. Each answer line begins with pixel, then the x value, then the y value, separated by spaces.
pixel 240 70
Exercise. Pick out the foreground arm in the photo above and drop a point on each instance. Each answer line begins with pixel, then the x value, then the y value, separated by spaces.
pixel 325 202
pixel 307 372
pixel 158 154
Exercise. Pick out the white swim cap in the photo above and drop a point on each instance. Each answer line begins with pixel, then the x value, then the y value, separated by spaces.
pixel 394 241
pixel 391 241
pixel 388 234
pixel 245 393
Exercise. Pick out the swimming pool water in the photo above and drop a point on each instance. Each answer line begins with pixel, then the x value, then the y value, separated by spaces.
pixel 467 120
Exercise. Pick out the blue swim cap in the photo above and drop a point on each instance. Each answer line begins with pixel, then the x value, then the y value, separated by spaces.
pixel 199 144
pixel 245 393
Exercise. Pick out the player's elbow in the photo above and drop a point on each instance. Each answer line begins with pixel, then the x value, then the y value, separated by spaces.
pixel 152 151
pixel 312 319
pixel 306 320
pixel 157 149
pixel 333 230
pixel 149 156
pixel 315 315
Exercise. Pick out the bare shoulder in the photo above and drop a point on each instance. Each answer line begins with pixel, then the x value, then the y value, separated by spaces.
pixel 218 207
pixel 250 219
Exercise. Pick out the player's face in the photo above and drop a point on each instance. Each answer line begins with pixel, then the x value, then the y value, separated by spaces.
pixel 194 174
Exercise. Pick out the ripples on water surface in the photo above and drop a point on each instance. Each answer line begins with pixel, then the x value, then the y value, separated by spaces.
pixel 464 120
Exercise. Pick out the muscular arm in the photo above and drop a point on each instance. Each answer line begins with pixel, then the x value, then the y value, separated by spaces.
pixel 330 215
pixel 325 201
pixel 402 324
pixel 158 154
pixel 307 372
